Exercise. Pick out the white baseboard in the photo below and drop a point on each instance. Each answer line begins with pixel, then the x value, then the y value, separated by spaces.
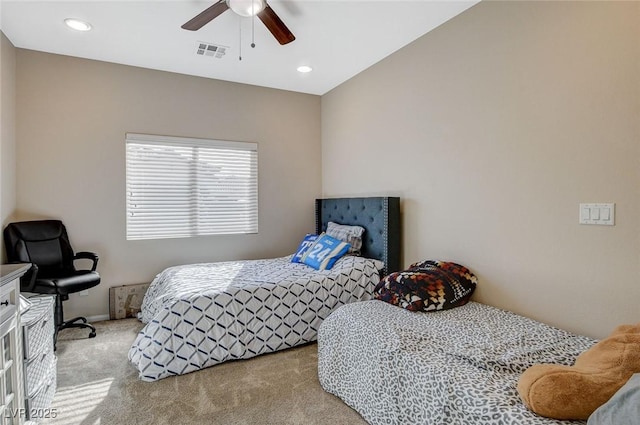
pixel 98 318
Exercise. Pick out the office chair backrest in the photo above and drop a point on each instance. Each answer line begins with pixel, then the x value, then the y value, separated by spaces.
pixel 44 243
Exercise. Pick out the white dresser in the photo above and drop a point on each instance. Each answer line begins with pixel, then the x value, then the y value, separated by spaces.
pixel 12 409
pixel 38 330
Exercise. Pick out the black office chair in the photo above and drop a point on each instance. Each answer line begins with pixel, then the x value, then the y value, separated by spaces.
pixel 46 246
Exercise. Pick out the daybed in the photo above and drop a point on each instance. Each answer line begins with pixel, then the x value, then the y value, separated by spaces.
pixel 203 314
pixel 455 367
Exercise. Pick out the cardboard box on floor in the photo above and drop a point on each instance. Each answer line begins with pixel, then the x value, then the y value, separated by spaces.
pixel 125 301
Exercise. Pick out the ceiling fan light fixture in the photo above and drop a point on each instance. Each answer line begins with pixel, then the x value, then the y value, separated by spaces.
pixel 246 7
pixel 77 24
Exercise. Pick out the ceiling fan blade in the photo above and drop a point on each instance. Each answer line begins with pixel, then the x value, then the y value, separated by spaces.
pixel 206 16
pixel 276 26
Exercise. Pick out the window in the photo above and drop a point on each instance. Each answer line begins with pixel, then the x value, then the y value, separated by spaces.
pixel 179 187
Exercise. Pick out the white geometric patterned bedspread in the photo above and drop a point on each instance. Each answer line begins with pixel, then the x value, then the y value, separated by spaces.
pixel 454 367
pixel 200 315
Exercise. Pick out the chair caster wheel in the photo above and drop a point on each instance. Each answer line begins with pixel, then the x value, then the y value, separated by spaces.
pixel 92 335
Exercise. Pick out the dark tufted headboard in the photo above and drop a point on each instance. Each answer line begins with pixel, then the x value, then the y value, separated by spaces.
pixel 379 216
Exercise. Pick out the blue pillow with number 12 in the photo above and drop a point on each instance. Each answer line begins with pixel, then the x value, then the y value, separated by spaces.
pixel 324 252
pixel 303 247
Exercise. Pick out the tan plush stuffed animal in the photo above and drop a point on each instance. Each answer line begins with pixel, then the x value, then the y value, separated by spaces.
pixel 574 392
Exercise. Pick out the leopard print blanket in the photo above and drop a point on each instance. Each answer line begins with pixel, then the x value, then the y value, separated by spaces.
pixel 454 367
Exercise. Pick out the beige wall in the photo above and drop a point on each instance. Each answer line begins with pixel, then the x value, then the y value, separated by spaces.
pixel 7 134
pixel 492 129
pixel 72 116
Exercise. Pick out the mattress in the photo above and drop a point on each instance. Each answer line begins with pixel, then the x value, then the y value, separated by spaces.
pixel 203 314
pixel 455 367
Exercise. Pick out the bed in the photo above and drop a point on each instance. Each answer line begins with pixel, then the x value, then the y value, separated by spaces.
pixel 458 366
pixel 200 315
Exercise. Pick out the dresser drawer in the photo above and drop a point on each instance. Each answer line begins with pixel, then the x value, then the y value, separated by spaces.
pixel 38 370
pixel 38 327
pixel 8 297
pixel 39 403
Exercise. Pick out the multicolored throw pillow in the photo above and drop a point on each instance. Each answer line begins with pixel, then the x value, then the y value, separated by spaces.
pixel 324 252
pixel 306 243
pixel 428 286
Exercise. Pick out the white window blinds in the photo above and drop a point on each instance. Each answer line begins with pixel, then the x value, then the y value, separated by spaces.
pixel 179 187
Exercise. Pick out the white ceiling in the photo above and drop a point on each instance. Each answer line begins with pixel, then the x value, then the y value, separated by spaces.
pixel 338 39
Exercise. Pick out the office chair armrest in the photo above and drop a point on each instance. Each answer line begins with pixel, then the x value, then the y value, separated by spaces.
pixel 88 256
pixel 28 280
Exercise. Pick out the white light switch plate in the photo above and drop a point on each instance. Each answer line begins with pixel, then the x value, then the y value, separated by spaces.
pixel 603 214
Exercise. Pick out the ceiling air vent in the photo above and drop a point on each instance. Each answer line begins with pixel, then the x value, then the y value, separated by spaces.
pixel 211 50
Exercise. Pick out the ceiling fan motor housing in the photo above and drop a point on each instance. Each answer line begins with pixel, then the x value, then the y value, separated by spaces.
pixel 246 7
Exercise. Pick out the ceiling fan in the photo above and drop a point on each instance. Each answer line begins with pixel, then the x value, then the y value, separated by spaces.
pixel 258 8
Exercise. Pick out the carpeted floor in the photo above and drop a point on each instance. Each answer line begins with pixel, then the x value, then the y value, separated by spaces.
pixel 98 385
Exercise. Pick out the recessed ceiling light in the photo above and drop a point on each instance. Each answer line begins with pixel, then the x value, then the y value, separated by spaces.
pixel 77 24
pixel 304 69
